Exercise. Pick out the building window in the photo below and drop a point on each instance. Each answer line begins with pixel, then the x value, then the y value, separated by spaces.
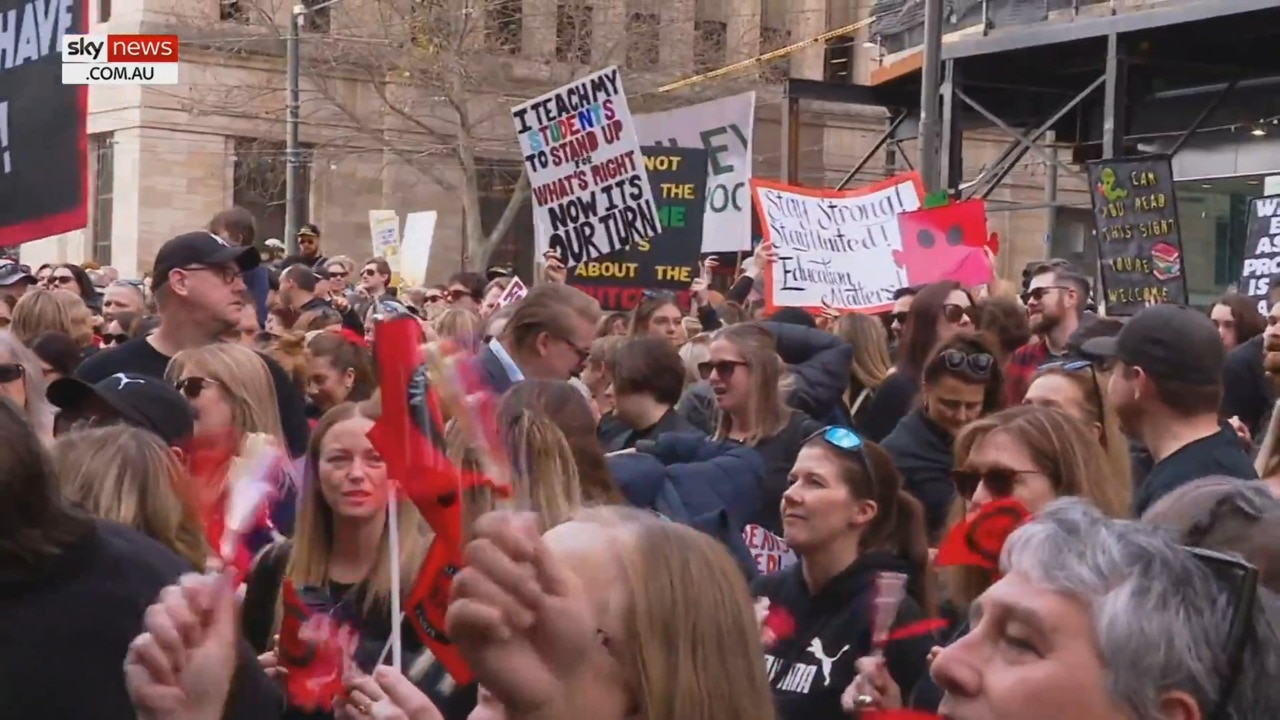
pixel 573 32
pixel 104 10
pixel 506 27
pixel 261 167
pixel 838 63
pixel 102 151
pixel 644 40
pixel 318 18
pixel 233 11
pixel 711 49
pixel 775 39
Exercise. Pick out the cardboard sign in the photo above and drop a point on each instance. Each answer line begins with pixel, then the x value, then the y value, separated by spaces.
pixel 722 127
pixel 1139 242
pixel 1262 250
pixel 948 242
pixel 590 192
pixel 667 261
pixel 515 291
pixel 836 249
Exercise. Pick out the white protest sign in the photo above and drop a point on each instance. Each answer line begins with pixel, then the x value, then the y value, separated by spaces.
pixel 384 228
pixel 723 128
pixel 590 191
pixel 415 249
pixel 515 291
pixel 835 249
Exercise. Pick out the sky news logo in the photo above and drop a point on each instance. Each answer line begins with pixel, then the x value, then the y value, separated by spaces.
pixel 119 59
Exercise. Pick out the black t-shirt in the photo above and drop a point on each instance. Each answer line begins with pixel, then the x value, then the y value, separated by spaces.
pixel 1218 454
pixel 64 632
pixel 140 357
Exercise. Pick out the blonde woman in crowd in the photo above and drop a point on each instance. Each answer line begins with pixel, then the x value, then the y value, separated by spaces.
pixel 341 548
pixel 462 327
pixel 871 361
pixel 1076 388
pixel 128 475
pixel 694 354
pixel 22 381
pixel 42 311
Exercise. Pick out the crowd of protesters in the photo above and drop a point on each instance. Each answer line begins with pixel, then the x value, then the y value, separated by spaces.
pixel 709 498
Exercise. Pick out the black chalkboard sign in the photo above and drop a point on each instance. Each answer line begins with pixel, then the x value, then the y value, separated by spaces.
pixel 669 260
pixel 1262 250
pixel 1139 242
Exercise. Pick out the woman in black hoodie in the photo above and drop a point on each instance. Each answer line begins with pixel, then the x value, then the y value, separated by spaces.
pixel 961 382
pixel 848 519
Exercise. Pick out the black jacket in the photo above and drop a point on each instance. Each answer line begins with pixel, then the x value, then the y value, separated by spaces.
pixel 811 669
pixel 921 450
pixel 891 403
pixel 670 422
pixel 819 365
pixel 1246 393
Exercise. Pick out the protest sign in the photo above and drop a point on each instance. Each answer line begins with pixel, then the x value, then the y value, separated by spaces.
pixel 590 191
pixel 669 260
pixel 415 248
pixel 515 291
pixel 1139 242
pixel 723 128
pixel 948 242
pixel 1262 250
pixel 43 142
pixel 836 249
pixel 384 228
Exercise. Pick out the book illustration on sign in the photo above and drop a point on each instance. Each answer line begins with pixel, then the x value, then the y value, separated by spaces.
pixel 948 242
pixel 1166 261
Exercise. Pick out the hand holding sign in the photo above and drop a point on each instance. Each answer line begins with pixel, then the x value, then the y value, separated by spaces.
pixel 553 271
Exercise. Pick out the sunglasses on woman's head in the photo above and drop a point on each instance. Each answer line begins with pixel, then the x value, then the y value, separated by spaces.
pixel 10 372
pixel 998 481
pixel 1072 366
pixel 979 364
pixel 723 368
pixel 191 387
pixel 847 440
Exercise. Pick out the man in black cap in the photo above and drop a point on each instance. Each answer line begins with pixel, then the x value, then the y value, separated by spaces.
pixel 199 292
pixel 15 279
pixel 1166 385
pixel 308 248
pixel 138 400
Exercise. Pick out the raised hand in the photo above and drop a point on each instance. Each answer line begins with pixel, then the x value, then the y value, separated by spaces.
pixel 180 668
pixel 385 695
pixel 554 270
pixel 521 617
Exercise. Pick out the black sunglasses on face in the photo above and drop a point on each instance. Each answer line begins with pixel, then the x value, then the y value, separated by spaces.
pixel 954 313
pixel 1037 294
pixel 114 338
pixel 978 364
pixel 723 368
pixel 191 387
pixel 998 481
pixel 9 372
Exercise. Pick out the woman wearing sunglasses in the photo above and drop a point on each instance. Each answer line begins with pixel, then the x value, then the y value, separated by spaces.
pixel 937 313
pixel 1031 454
pixel 960 382
pixel 847 517
pixel 22 382
pixel 1075 387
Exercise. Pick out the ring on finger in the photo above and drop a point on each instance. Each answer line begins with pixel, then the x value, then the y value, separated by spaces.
pixel 863 700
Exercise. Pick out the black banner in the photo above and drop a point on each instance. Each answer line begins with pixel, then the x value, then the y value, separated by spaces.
pixel 669 260
pixel 43 145
pixel 1262 251
pixel 1139 242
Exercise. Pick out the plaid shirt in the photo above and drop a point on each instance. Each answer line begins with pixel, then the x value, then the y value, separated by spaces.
pixel 1021 366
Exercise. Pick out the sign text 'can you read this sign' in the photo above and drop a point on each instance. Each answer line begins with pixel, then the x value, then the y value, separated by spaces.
pixel 590 190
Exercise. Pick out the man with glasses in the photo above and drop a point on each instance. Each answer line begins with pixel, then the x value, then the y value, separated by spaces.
pixel 308 248
pixel 466 291
pixel 123 296
pixel 1111 620
pixel 199 292
pixel 548 337
pixel 1056 298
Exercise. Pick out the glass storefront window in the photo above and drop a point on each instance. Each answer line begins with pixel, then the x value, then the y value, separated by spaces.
pixel 1213 214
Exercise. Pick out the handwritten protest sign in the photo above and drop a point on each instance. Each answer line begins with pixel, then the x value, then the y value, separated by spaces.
pixel 384 228
pixel 590 190
pixel 668 261
pixel 1139 242
pixel 515 291
pixel 1262 250
pixel 836 249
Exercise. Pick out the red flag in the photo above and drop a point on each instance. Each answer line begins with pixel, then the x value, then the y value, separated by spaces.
pixel 314 649
pixel 778 625
pixel 978 539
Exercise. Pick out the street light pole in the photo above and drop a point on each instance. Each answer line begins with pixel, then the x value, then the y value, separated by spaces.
pixel 930 161
pixel 293 104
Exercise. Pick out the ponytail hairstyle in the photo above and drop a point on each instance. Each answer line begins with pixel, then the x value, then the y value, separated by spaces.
pixel 347 352
pixel 898 526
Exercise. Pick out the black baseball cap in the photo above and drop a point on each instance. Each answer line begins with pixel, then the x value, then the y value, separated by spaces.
pixel 200 248
pixel 1169 342
pixel 498 271
pixel 309 229
pixel 140 400
pixel 13 273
